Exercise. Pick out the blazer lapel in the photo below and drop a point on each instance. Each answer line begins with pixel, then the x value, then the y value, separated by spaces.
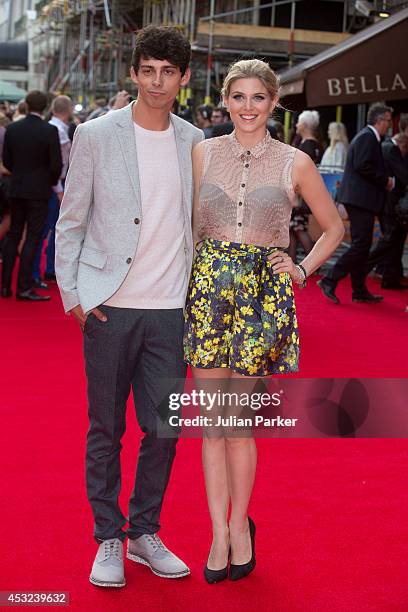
pixel 126 137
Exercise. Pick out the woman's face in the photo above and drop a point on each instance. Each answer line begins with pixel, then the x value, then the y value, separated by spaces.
pixel 300 128
pixel 250 104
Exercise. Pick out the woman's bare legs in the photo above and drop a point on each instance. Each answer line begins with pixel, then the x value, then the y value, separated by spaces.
pixel 241 466
pixel 305 240
pixel 229 463
pixel 215 469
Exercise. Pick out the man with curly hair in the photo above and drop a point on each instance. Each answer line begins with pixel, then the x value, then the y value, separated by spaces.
pixel 124 252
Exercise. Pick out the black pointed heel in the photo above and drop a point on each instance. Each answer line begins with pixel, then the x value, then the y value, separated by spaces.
pixel 240 571
pixel 213 576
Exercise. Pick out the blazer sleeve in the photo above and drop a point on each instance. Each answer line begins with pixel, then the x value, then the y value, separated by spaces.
pixel 73 218
pixel 365 161
pixel 198 137
pixel 55 155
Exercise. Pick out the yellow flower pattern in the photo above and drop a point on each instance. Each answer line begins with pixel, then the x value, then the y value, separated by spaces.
pixel 239 314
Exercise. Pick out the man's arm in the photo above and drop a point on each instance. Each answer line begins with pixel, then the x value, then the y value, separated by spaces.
pixel 365 161
pixel 73 219
pixel 197 137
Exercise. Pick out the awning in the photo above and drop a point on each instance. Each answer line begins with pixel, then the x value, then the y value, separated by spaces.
pixel 371 65
pixel 10 92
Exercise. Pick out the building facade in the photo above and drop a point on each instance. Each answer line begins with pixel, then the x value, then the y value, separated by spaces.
pixel 83 47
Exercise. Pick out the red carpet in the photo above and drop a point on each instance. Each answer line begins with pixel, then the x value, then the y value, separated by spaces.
pixel 331 514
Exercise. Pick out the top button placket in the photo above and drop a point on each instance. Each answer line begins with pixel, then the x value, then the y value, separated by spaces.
pixel 242 194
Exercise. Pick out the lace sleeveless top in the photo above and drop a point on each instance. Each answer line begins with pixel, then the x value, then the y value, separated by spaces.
pixel 246 196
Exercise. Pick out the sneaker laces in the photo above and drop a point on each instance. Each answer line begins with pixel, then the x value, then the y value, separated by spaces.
pixel 111 548
pixel 156 542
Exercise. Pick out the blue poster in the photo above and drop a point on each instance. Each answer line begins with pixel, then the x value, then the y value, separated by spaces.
pixel 332 182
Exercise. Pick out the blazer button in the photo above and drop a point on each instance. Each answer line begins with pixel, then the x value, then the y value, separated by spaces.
pixel 137 221
pixel 129 260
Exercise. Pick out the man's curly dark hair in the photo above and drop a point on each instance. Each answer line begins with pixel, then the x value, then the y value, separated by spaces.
pixel 162 43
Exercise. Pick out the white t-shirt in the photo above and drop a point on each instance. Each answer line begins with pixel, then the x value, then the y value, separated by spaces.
pixel 65 144
pixel 158 275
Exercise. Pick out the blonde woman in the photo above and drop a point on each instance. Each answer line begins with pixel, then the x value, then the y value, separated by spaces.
pixel 334 157
pixel 240 318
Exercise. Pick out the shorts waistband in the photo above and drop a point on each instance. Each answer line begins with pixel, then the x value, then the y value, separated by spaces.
pixel 237 248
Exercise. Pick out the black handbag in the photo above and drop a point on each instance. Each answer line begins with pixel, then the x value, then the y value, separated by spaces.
pixel 401 210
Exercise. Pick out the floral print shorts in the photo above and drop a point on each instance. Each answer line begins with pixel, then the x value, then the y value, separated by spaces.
pixel 239 314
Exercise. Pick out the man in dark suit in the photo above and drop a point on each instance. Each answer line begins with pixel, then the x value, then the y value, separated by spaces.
pixel 32 154
pixel 389 248
pixel 362 192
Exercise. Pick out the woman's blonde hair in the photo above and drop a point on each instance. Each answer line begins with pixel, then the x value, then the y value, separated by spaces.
pixel 337 133
pixel 255 69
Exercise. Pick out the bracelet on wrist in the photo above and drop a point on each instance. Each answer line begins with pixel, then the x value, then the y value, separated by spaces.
pixel 303 274
pixel 303 270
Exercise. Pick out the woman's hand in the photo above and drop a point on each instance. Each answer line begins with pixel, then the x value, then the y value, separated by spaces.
pixel 281 262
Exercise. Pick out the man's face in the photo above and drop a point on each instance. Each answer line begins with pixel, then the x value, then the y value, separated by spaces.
pixel 158 82
pixel 384 123
pixel 217 117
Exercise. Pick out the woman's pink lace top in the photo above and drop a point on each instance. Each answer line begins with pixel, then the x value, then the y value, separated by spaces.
pixel 246 195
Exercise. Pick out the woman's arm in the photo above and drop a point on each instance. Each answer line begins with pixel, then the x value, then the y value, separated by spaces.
pixel 309 184
pixel 198 162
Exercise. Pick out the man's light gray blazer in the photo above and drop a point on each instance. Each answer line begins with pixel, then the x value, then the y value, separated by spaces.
pixel 101 214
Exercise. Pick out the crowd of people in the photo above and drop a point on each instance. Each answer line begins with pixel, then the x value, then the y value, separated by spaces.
pixel 375 178
pixel 361 188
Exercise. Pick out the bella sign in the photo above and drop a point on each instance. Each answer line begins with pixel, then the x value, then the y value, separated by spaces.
pixel 353 85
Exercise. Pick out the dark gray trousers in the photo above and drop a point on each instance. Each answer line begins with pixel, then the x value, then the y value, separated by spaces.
pixel 142 350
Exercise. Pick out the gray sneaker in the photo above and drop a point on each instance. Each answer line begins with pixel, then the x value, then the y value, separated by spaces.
pixel 107 570
pixel 150 550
